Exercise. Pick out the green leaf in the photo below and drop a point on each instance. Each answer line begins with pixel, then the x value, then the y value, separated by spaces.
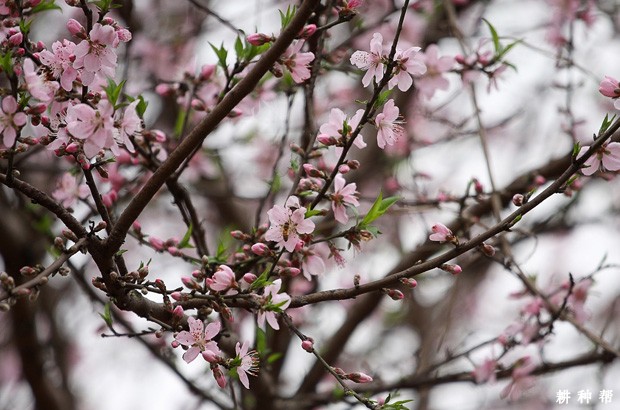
pixel 44 6
pixel 141 106
pixel 273 357
pixel 222 55
pixel 286 18
pixel 185 241
pixel 576 149
pixel 276 183
pixel 6 62
pixel 180 122
pixel 107 314
pixel 113 91
pixel 312 212
pixel 606 123
pixel 382 98
pixel 378 208
pixel 494 36
pixel 239 49
pixel 261 341
pixel 261 281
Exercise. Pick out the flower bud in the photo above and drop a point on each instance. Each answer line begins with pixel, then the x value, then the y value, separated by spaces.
pixel 395 294
pixel 308 345
pixel 453 269
pixel 410 282
pixel 249 278
pixel 260 249
pixel 307 31
pixel 518 199
pixel 358 377
pixel 258 39
pixel 76 29
pixel 487 249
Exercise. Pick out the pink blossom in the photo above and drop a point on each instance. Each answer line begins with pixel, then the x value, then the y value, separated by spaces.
pixel 39 87
pixel 339 126
pixel 60 62
pixel 408 62
pixel 441 233
pixel 577 300
pixel 343 194
pixel 95 55
pixel 371 62
pixel 287 222
pixel 606 158
pixel 67 190
pixel 130 125
pixel 94 127
pixel 485 372
pixel 10 120
pixel 198 339
pixel 311 264
pixel 223 280
pixel 272 302
pixel 434 79
pixel 297 63
pixel 521 379
pixel 388 125
pixel 249 363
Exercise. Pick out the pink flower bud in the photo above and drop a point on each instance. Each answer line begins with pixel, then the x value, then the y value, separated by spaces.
pixel 165 90
pixel 290 272
pixel 156 243
pixel 238 235
pixel 178 296
pixel 412 283
pixel 76 29
pixel 395 294
pixel 178 312
pixel 441 233
pixel 453 269
pixel 219 376
pixel 260 249
pixel 518 199
pixel 326 139
pixel 258 39
pixel 175 344
pixel 249 278
pixel 344 168
pixel 358 377
pixel 189 282
pixel 308 31
pixel 539 180
pixel 209 356
pixel 487 249
pixel 16 39
pixel 610 87
pixel 308 345
pixel 206 72
pixel 478 186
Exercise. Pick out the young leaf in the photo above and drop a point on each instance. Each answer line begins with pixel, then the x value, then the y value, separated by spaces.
pixel 494 36
pixel 378 208
pixel 107 314
pixel 185 241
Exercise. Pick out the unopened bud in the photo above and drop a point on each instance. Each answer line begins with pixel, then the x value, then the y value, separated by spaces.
pixel 518 199
pixel 249 278
pixel 326 139
pixel 487 249
pixel 258 39
pixel 358 377
pixel 453 269
pixel 308 31
pixel 260 249
pixel 308 345
pixel 410 282
pixel 395 294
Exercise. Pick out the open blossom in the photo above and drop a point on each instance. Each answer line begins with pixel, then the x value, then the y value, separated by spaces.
pixel 130 125
pixel 10 120
pixel 339 126
pixel 60 62
pixel 94 127
pixel 95 55
pixel 434 79
pixel 388 125
pixel 343 194
pixel 371 62
pixel 485 372
pixel 408 62
pixel 287 222
pixel 39 87
pixel 272 302
pixel 198 339
pixel 249 363
pixel 521 380
pixel 68 190
pixel 297 63
pixel 606 157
